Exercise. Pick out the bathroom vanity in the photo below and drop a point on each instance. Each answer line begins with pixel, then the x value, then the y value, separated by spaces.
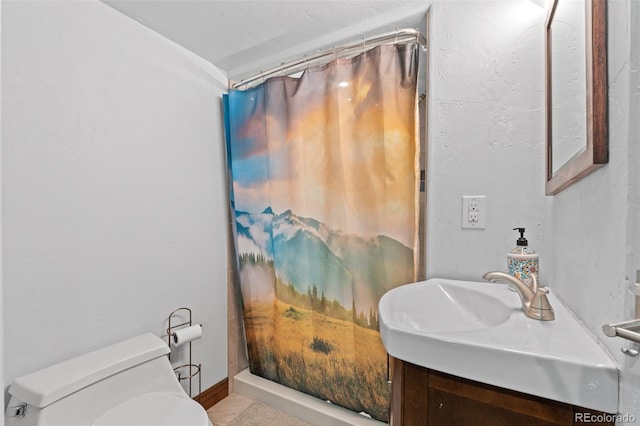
pixel 423 397
pixel 467 353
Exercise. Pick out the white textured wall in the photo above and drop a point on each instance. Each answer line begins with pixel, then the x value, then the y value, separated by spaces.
pixel 486 132
pixel 592 229
pixel 486 135
pixel 113 193
pixel 1 291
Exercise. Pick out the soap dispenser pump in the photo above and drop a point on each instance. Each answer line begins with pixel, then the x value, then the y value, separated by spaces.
pixel 522 260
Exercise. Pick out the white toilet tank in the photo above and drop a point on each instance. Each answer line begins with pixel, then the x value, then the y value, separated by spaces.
pixel 130 383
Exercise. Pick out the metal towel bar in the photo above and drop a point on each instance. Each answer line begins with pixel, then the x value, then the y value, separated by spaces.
pixel 629 330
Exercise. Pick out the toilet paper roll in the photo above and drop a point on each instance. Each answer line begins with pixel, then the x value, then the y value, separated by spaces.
pixel 186 334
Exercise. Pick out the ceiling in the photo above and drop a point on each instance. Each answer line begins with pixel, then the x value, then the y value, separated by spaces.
pixel 242 37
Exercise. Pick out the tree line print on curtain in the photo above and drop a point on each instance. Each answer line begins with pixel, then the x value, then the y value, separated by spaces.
pixel 315 256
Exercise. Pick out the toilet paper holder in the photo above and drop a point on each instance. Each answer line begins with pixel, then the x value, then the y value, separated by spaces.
pixel 192 370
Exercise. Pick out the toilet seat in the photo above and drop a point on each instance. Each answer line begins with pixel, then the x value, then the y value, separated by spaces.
pixel 155 409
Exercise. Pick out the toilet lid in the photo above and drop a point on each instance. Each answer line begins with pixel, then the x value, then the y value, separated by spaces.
pixel 155 409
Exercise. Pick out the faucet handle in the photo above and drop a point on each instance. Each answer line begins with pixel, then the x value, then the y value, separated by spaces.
pixel 534 282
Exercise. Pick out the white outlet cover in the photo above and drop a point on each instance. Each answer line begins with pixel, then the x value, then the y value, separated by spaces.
pixel 482 211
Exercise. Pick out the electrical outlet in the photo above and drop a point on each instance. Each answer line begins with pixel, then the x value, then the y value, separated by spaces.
pixel 473 212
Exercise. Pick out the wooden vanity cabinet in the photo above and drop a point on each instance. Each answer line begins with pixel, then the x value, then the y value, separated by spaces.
pixel 423 397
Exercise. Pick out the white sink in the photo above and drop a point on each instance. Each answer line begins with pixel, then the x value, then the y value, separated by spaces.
pixel 477 330
pixel 442 307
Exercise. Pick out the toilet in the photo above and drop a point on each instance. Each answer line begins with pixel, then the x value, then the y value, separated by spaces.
pixel 130 383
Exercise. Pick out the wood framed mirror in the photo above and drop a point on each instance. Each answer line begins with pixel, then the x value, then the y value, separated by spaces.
pixel 576 91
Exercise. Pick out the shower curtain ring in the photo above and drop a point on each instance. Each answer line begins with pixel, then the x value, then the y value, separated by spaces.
pixel 284 69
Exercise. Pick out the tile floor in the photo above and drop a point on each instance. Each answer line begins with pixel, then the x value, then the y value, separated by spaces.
pixel 226 410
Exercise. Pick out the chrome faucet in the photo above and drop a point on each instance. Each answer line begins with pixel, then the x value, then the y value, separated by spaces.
pixel 535 303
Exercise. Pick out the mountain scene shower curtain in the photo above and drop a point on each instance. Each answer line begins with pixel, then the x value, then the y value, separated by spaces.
pixel 324 172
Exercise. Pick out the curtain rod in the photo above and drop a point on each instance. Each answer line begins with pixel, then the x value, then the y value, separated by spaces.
pixel 392 37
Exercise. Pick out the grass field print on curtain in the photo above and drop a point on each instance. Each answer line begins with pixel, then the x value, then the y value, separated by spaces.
pixel 324 189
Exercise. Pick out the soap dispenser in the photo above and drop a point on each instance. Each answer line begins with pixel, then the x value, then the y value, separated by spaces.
pixel 522 260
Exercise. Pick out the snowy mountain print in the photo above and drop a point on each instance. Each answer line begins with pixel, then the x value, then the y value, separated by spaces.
pixel 309 253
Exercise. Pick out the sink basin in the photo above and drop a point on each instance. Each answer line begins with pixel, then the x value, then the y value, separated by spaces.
pixel 443 307
pixel 477 330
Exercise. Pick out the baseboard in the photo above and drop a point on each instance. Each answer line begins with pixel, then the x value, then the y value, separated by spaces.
pixel 216 393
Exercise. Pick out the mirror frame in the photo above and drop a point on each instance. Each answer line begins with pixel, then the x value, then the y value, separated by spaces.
pixel 596 153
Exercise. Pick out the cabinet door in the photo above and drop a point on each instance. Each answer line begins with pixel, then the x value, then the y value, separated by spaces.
pixel 424 397
pixel 447 409
pixel 455 401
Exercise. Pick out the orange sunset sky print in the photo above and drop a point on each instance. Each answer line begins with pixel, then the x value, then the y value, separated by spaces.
pixel 338 144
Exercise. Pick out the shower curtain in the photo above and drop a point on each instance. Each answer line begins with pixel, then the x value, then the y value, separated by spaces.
pixel 324 172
